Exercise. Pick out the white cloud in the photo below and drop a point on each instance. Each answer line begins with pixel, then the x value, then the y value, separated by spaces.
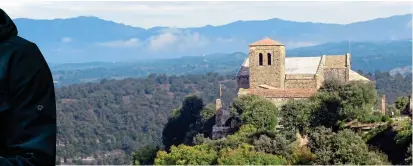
pixel 190 14
pixel 173 39
pixel 66 40
pixel 162 41
pixel 133 42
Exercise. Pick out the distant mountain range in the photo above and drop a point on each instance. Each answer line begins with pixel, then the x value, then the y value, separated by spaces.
pixel 366 56
pixel 87 39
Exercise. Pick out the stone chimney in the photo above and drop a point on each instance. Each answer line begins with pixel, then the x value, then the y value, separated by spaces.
pixel 383 104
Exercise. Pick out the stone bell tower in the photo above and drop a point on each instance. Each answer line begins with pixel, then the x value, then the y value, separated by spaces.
pixel 267 63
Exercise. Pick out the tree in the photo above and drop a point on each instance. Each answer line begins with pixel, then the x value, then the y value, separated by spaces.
pixel 340 103
pixel 245 155
pixel 256 110
pixel 296 115
pixel 276 144
pixel 401 102
pixel 187 155
pixel 145 155
pixel 344 147
pixel 328 113
pixel 358 99
pixel 206 120
pixel 179 128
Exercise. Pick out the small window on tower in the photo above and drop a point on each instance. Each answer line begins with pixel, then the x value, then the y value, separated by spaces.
pixel 269 59
pixel 261 59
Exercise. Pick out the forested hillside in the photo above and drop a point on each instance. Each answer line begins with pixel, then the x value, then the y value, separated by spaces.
pixel 392 86
pixel 110 119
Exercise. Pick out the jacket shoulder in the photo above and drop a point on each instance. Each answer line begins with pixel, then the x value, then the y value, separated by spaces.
pixel 17 40
pixel 17 43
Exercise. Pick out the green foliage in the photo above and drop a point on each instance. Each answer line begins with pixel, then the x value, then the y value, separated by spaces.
pixel 328 112
pixel 404 134
pixel 277 144
pixel 340 102
pixel 303 156
pixel 297 115
pixel 245 155
pixel 256 110
pixel 207 113
pixel 393 86
pixel 358 99
pixel 351 149
pixel 180 129
pixel 187 155
pixel 234 140
pixel 344 147
pixel 401 102
pixel 373 117
pixel 372 133
pixel 391 110
pixel 145 155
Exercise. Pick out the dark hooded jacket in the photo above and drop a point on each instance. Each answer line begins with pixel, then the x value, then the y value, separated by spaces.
pixel 27 101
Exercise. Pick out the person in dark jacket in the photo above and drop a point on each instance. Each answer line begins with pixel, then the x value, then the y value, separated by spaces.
pixel 27 101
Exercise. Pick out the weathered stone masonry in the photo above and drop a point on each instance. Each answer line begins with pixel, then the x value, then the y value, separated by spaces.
pixel 269 73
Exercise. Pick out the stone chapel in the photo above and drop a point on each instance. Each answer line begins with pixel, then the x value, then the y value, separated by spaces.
pixel 269 73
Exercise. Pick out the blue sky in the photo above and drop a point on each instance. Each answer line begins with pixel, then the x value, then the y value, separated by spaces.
pixel 195 14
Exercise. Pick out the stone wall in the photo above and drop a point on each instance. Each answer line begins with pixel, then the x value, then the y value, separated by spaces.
pixel 301 83
pixel 336 73
pixel 283 93
pixel 281 101
pixel 272 75
pixel 337 67
pixel 320 72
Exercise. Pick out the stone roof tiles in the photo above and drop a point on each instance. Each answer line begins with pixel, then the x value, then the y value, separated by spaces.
pixel 266 42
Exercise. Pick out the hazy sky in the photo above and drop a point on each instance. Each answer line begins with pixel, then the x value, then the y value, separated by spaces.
pixel 195 14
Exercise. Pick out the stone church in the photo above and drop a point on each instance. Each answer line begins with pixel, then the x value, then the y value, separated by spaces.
pixel 269 73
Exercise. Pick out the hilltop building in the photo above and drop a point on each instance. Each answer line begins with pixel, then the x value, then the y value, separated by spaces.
pixel 269 73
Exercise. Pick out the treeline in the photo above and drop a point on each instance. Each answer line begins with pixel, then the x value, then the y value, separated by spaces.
pixel 392 86
pixel 313 131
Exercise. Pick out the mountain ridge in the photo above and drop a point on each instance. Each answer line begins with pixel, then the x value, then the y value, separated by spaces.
pixel 275 18
pixel 89 38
